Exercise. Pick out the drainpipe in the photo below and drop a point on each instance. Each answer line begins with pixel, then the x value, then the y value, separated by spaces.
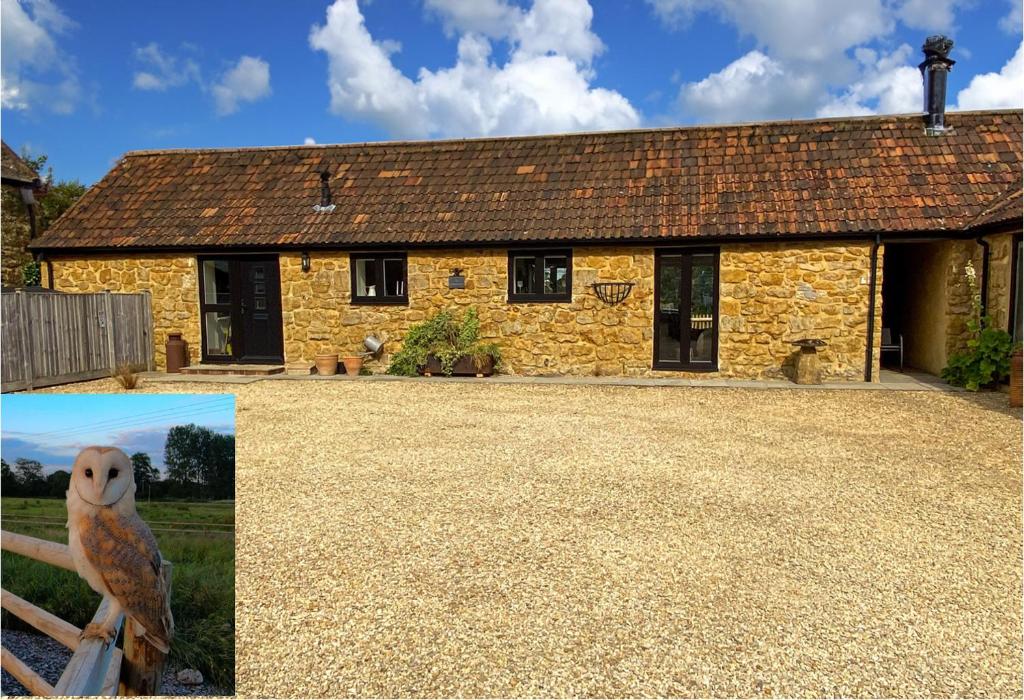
pixel 869 355
pixel 984 273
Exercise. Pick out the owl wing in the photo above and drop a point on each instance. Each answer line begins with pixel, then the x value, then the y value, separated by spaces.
pixel 124 552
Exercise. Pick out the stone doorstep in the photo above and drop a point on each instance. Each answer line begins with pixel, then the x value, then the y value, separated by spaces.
pixel 242 370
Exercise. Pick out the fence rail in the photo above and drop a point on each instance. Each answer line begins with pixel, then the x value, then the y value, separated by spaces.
pixel 96 667
pixel 52 338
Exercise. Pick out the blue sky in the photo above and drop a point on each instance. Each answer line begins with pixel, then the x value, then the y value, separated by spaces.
pixel 86 81
pixel 53 428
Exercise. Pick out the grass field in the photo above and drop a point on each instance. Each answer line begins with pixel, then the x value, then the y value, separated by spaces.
pixel 198 538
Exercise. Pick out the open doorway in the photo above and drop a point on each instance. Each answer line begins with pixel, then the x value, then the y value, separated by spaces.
pixel 914 293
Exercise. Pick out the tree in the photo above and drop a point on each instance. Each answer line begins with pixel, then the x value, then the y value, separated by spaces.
pixel 57 484
pixel 200 462
pixel 59 195
pixel 145 473
pixel 9 486
pixel 30 476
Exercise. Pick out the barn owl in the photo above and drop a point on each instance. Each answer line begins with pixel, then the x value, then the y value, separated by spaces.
pixel 113 549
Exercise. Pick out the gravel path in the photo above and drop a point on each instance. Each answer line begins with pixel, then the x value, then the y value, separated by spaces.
pixel 48 658
pixel 424 539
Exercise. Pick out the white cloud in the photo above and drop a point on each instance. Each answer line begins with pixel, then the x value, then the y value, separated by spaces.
pixel 544 86
pixel 1004 89
pixel 888 85
pixel 931 15
pixel 1014 19
pixel 163 70
pixel 35 72
pixel 309 141
pixel 752 87
pixel 247 81
pixel 802 30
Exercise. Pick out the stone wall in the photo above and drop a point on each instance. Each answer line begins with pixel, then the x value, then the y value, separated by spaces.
pixel 770 294
pixel 583 337
pixel 1000 271
pixel 16 230
pixel 171 279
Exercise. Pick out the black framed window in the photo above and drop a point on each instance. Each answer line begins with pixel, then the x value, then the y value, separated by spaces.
pixel 540 275
pixel 379 278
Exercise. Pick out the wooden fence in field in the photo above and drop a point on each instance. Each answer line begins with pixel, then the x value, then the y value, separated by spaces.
pixel 53 338
pixel 96 667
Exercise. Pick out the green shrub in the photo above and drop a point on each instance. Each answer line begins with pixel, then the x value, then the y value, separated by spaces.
pixel 987 358
pixel 30 274
pixel 446 337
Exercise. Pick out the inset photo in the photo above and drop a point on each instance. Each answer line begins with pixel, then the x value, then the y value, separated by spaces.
pixel 118 517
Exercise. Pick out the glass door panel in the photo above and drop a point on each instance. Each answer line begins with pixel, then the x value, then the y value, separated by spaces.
pixel 702 300
pixel 669 303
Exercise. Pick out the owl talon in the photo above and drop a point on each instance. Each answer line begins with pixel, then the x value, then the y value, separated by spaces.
pixel 94 630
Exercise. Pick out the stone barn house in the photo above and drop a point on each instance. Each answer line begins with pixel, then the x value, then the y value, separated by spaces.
pixel 733 241
pixel 20 185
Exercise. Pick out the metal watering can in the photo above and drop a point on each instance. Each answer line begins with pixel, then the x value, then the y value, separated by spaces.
pixel 373 345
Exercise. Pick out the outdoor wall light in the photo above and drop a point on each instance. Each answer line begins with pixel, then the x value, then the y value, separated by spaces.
pixel 305 261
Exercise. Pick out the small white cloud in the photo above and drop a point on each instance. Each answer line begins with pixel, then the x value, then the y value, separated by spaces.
pixel 247 81
pixel 543 86
pixel 752 87
pixel 931 15
pixel 888 85
pixel 1012 22
pixel 35 72
pixel 1004 89
pixel 309 141
pixel 163 71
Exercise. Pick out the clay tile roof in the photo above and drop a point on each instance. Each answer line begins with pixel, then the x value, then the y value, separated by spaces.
pixel 1003 210
pixel 13 168
pixel 861 175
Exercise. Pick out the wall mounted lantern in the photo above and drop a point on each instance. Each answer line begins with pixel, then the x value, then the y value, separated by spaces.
pixel 305 261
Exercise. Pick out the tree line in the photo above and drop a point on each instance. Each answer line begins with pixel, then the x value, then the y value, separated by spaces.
pixel 200 466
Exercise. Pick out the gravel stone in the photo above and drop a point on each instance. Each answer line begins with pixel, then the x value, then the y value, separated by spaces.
pixel 49 658
pixel 440 539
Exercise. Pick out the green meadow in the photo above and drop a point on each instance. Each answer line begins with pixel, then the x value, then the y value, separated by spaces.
pixel 196 537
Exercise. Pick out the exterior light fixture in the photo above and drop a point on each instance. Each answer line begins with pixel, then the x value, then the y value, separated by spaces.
pixel 305 261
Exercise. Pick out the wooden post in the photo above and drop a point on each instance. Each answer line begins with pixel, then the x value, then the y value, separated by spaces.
pixel 32 681
pixel 25 331
pixel 149 337
pixel 108 312
pixel 142 666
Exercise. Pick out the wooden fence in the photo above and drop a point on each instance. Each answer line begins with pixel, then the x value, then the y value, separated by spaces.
pixel 96 667
pixel 52 338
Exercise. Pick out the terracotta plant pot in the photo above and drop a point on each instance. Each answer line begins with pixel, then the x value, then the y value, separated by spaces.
pixel 353 363
pixel 327 364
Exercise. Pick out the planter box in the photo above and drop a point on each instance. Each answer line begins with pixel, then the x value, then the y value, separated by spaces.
pixel 464 367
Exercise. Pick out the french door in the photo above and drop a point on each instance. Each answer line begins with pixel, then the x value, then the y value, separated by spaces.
pixel 240 303
pixel 686 309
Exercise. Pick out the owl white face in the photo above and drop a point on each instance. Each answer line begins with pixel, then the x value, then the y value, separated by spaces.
pixel 102 475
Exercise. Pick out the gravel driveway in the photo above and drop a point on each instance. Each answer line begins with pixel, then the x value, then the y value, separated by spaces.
pixel 437 539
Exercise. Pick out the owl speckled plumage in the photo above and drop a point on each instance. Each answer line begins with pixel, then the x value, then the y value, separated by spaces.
pixel 113 548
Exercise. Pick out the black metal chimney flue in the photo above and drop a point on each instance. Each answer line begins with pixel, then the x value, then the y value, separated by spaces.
pixel 934 69
pixel 325 189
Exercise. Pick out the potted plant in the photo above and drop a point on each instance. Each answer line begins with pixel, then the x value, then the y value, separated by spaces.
pixel 446 345
pixel 326 363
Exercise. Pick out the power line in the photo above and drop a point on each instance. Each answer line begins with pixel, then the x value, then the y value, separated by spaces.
pixel 221 399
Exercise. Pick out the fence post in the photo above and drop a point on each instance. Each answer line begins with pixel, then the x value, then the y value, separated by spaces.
pixel 108 312
pixel 142 666
pixel 25 331
pixel 147 331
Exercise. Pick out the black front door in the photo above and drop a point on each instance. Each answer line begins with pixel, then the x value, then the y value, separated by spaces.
pixel 241 309
pixel 686 310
